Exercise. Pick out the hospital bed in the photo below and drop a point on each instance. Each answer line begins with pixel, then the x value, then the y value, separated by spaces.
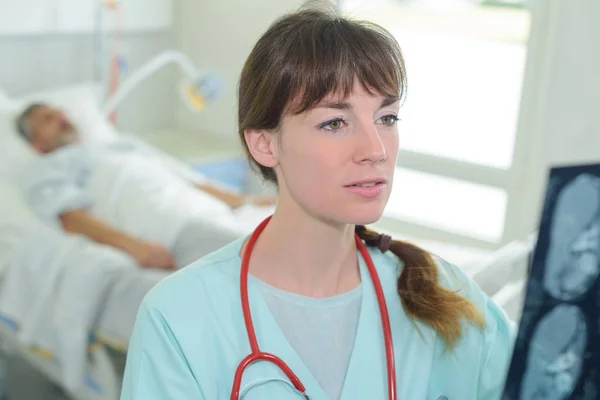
pixel 17 225
pixel 501 275
pixel 20 231
pixel 107 342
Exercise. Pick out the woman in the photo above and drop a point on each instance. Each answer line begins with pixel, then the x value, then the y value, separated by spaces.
pixel 318 103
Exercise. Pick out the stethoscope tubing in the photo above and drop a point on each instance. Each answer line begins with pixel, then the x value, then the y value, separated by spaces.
pixel 257 355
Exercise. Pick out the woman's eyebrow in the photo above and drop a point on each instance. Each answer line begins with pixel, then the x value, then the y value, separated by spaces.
pixel 340 105
pixel 388 101
pixel 343 105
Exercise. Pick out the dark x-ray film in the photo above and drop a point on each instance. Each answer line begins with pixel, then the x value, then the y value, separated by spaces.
pixel 557 352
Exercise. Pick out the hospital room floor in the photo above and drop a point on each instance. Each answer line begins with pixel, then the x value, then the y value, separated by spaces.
pixel 24 383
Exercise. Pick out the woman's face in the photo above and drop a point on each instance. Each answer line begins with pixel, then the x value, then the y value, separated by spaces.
pixel 337 160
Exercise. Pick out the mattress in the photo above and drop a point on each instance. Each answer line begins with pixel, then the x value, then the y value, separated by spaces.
pixel 115 322
pixel 117 318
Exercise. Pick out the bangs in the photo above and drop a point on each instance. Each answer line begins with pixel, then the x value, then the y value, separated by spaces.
pixel 330 57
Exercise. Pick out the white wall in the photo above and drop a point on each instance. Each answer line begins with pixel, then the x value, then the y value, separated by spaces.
pixel 573 124
pixel 560 122
pixel 33 61
pixel 35 17
pixel 219 35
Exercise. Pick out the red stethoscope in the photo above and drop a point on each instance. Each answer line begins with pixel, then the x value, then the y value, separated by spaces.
pixel 257 355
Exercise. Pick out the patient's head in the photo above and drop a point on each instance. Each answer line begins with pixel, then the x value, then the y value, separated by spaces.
pixel 46 128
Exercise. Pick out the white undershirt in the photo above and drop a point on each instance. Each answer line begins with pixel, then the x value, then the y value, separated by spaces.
pixel 321 331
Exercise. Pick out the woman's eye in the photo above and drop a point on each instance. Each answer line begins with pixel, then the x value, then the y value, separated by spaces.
pixel 333 125
pixel 389 120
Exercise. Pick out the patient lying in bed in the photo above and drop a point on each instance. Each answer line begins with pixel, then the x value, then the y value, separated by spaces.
pixel 60 188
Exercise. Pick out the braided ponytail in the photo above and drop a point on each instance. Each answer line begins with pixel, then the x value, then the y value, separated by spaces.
pixel 423 298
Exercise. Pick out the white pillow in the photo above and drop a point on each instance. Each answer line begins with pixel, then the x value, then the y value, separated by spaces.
pixel 80 103
pixel 5 101
pixel 15 153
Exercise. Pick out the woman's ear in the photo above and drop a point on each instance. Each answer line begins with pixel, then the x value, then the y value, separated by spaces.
pixel 262 145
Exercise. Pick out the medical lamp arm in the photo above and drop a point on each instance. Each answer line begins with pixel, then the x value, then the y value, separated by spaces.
pixel 144 72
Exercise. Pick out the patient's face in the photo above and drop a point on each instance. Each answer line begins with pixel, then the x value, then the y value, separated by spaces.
pixel 51 129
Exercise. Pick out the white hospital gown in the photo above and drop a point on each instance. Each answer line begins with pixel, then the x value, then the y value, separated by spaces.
pixel 57 182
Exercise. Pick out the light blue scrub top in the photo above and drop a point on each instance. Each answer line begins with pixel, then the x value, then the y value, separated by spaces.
pixel 190 336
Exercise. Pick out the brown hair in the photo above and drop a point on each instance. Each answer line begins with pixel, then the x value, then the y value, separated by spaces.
pixel 307 55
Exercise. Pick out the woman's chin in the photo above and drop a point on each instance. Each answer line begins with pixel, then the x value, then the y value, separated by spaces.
pixel 364 215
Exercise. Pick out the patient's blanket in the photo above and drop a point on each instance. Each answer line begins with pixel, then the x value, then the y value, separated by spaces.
pixel 139 195
pixel 55 291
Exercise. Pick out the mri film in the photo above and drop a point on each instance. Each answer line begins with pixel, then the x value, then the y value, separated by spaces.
pixel 557 352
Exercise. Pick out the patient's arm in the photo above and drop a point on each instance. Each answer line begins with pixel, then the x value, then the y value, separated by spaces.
pixel 232 199
pixel 145 253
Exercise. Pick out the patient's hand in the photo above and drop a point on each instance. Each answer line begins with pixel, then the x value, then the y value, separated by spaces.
pixel 152 255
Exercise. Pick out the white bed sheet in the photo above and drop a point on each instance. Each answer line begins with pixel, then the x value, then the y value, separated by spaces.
pixel 70 288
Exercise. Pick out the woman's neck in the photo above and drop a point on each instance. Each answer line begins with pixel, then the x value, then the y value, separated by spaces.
pixel 304 255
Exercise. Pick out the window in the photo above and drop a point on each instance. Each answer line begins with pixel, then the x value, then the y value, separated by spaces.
pixel 465 62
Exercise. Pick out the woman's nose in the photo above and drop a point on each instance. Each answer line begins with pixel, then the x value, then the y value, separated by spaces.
pixel 369 148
